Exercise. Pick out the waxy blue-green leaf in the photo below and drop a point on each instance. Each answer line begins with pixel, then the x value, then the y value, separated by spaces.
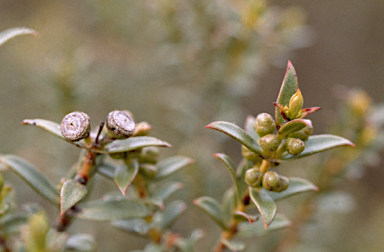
pixel 229 203
pixel 294 126
pixel 231 168
pixel 125 174
pixel 81 242
pixel 171 165
pixel 296 186
pixel 264 204
pixel 234 246
pixel 248 230
pixel 136 226
pixel 32 176
pixel 133 143
pixel 171 212
pixel 319 143
pixel 112 209
pixel 287 90
pixel 107 170
pixel 51 127
pixel 13 32
pixel 167 189
pixel 236 133
pixel 213 209
pixel 245 217
pixel 71 193
pixel 11 223
pixel 250 127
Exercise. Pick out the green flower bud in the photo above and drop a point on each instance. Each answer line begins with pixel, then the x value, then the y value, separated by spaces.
pixel 295 146
pixel 302 134
pixel 253 177
pixel 269 142
pixel 270 180
pixel 120 124
pixel 295 105
pixel 283 184
pixel 250 155
pixel 148 170
pixel 75 126
pixel 264 124
pixel 149 154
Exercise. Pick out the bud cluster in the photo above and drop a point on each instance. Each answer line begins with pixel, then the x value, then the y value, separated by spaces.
pixel 269 180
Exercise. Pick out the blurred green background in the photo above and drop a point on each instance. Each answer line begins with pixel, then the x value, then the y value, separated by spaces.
pixel 180 65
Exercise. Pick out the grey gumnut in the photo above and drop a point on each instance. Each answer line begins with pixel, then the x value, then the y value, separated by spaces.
pixel 120 124
pixel 75 126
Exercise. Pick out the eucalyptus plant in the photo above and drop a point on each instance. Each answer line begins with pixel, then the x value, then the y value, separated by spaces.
pixel 266 142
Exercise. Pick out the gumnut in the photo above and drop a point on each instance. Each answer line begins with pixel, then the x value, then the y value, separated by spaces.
pixel 75 126
pixel 120 124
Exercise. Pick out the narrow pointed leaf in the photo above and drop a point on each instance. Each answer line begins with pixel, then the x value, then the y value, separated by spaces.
pixel 171 213
pixel 231 168
pixel 137 226
pixel 296 186
pixel 213 209
pixel 233 245
pixel 248 230
pixel 32 176
pixel 250 127
pixel 81 242
pixel 287 90
pixel 133 143
pixel 236 133
pixel 229 203
pixel 167 189
pixel 264 204
pixel 156 201
pixel 244 216
pixel 171 165
pixel 51 127
pixel 294 125
pixel 13 32
pixel 71 193
pixel 107 170
pixel 319 143
pixel 113 209
pixel 125 174
pixel 307 111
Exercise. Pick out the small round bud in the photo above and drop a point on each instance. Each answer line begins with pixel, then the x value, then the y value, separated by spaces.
pixel 120 124
pixel 149 154
pixel 295 146
pixel 264 124
pixel 295 105
pixel 283 184
pixel 270 180
pixel 148 170
pixel 302 134
pixel 250 155
pixel 75 126
pixel 269 142
pixel 253 177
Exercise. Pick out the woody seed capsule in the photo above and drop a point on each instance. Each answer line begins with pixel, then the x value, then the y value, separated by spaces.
pixel 75 126
pixel 120 124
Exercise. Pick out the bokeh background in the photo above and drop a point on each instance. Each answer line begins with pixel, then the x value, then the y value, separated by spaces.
pixel 180 65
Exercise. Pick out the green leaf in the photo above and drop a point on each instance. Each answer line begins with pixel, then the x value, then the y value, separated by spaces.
pixel 51 127
pixel 296 185
pixel 265 204
pixel 113 209
pixel 167 189
pixel 13 32
pixel 319 143
pixel 107 170
pixel 10 224
pixel 32 176
pixel 171 213
pixel 250 127
pixel 125 174
pixel 231 168
pixel 71 193
pixel 171 165
pixel 213 209
pixel 233 245
pixel 287 90
pixel 133 143
pixel 248 230
pixel 244 216
pixel 229 203
pixel 294 126
pixel 137 226
pixel 236 133
pixel 81 242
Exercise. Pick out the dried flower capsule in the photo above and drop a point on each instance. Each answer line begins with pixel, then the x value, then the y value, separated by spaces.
pixel 264 124
pixel 269 142
pixel 295 146
pixel 120 124
pixel 75 126
pixel 253 177
pixel 270 180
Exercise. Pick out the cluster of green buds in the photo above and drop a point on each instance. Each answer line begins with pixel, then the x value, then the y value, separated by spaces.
pixel 269 180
